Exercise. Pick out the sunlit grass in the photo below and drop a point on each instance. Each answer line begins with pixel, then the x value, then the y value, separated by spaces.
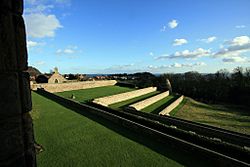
pixel 84 95
pixel 71 139
pixel 229 117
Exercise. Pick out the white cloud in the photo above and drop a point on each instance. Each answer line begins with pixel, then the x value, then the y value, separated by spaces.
pixel 31 1
pixel 209 39
pixel 151 54
pixel 235 59
pixel 163 28
pixel 240 26
pixel 41 25
pixel 31 44
pixel 177 65
pixel 178 42
pixel 173 24
pixel 39 8
pixel 38 2
pixel 124 68
pixel 67 51
pixel 64 2
pixel 39 63
pixel 241 40
pixel 235 47
pixel 187 54
pixel 162 57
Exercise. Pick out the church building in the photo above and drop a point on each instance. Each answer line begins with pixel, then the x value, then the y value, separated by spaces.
pixel 56 77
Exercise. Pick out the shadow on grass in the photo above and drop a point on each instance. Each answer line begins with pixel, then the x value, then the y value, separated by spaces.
pixel 239 110
pixel 159 109
pixel 168 151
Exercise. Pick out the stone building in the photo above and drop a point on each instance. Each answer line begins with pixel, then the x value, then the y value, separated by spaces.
pixel 56 77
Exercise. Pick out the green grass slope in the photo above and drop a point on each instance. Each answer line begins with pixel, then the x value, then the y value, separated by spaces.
pixel 159 105
pixel 84 95
pixel 235 118
pixel 71 139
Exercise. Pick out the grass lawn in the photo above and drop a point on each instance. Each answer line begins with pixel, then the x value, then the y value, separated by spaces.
pixel 72 139
pixel 84 95
pixel 229 117
pixel 133 100
pixel 159 105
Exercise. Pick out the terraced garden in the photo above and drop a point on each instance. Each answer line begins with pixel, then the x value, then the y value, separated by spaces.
pixel 86 95
pixel 73 139
pixel 223 116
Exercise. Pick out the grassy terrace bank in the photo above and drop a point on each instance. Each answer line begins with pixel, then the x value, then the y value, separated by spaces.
pixel 133 100
pixel 84 95
pixel 160 105
pixel 71 139
pixel 235 118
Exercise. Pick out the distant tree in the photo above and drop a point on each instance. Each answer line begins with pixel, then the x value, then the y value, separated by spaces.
pixel 144 79
pixel 72 77
pixel 219 87
pixel 41 79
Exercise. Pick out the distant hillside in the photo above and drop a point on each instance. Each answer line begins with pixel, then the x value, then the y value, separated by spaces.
pixel 33 71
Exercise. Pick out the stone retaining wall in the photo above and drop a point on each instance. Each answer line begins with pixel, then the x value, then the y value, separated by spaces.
pixel 172 106
pixel 105 101
pixel 61 87
pixel 147 102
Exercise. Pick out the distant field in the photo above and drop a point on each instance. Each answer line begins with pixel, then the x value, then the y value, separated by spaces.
pixel 72 139
pixel 160 105
pixel 133 100
pixel 233 118
pixel 84 95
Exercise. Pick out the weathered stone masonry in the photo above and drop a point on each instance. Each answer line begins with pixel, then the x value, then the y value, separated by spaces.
pixel 172 106
pixel 105 101
pixel 16 131
pixel 73 85
pixel 147 102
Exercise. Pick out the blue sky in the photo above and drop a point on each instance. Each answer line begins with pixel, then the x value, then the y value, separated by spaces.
pixel 158 36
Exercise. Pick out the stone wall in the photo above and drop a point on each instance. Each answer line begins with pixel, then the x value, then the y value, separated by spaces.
pixel 172 106
pixel 105 101
pixel 16 130
pixel 61 87
pixel 147 102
